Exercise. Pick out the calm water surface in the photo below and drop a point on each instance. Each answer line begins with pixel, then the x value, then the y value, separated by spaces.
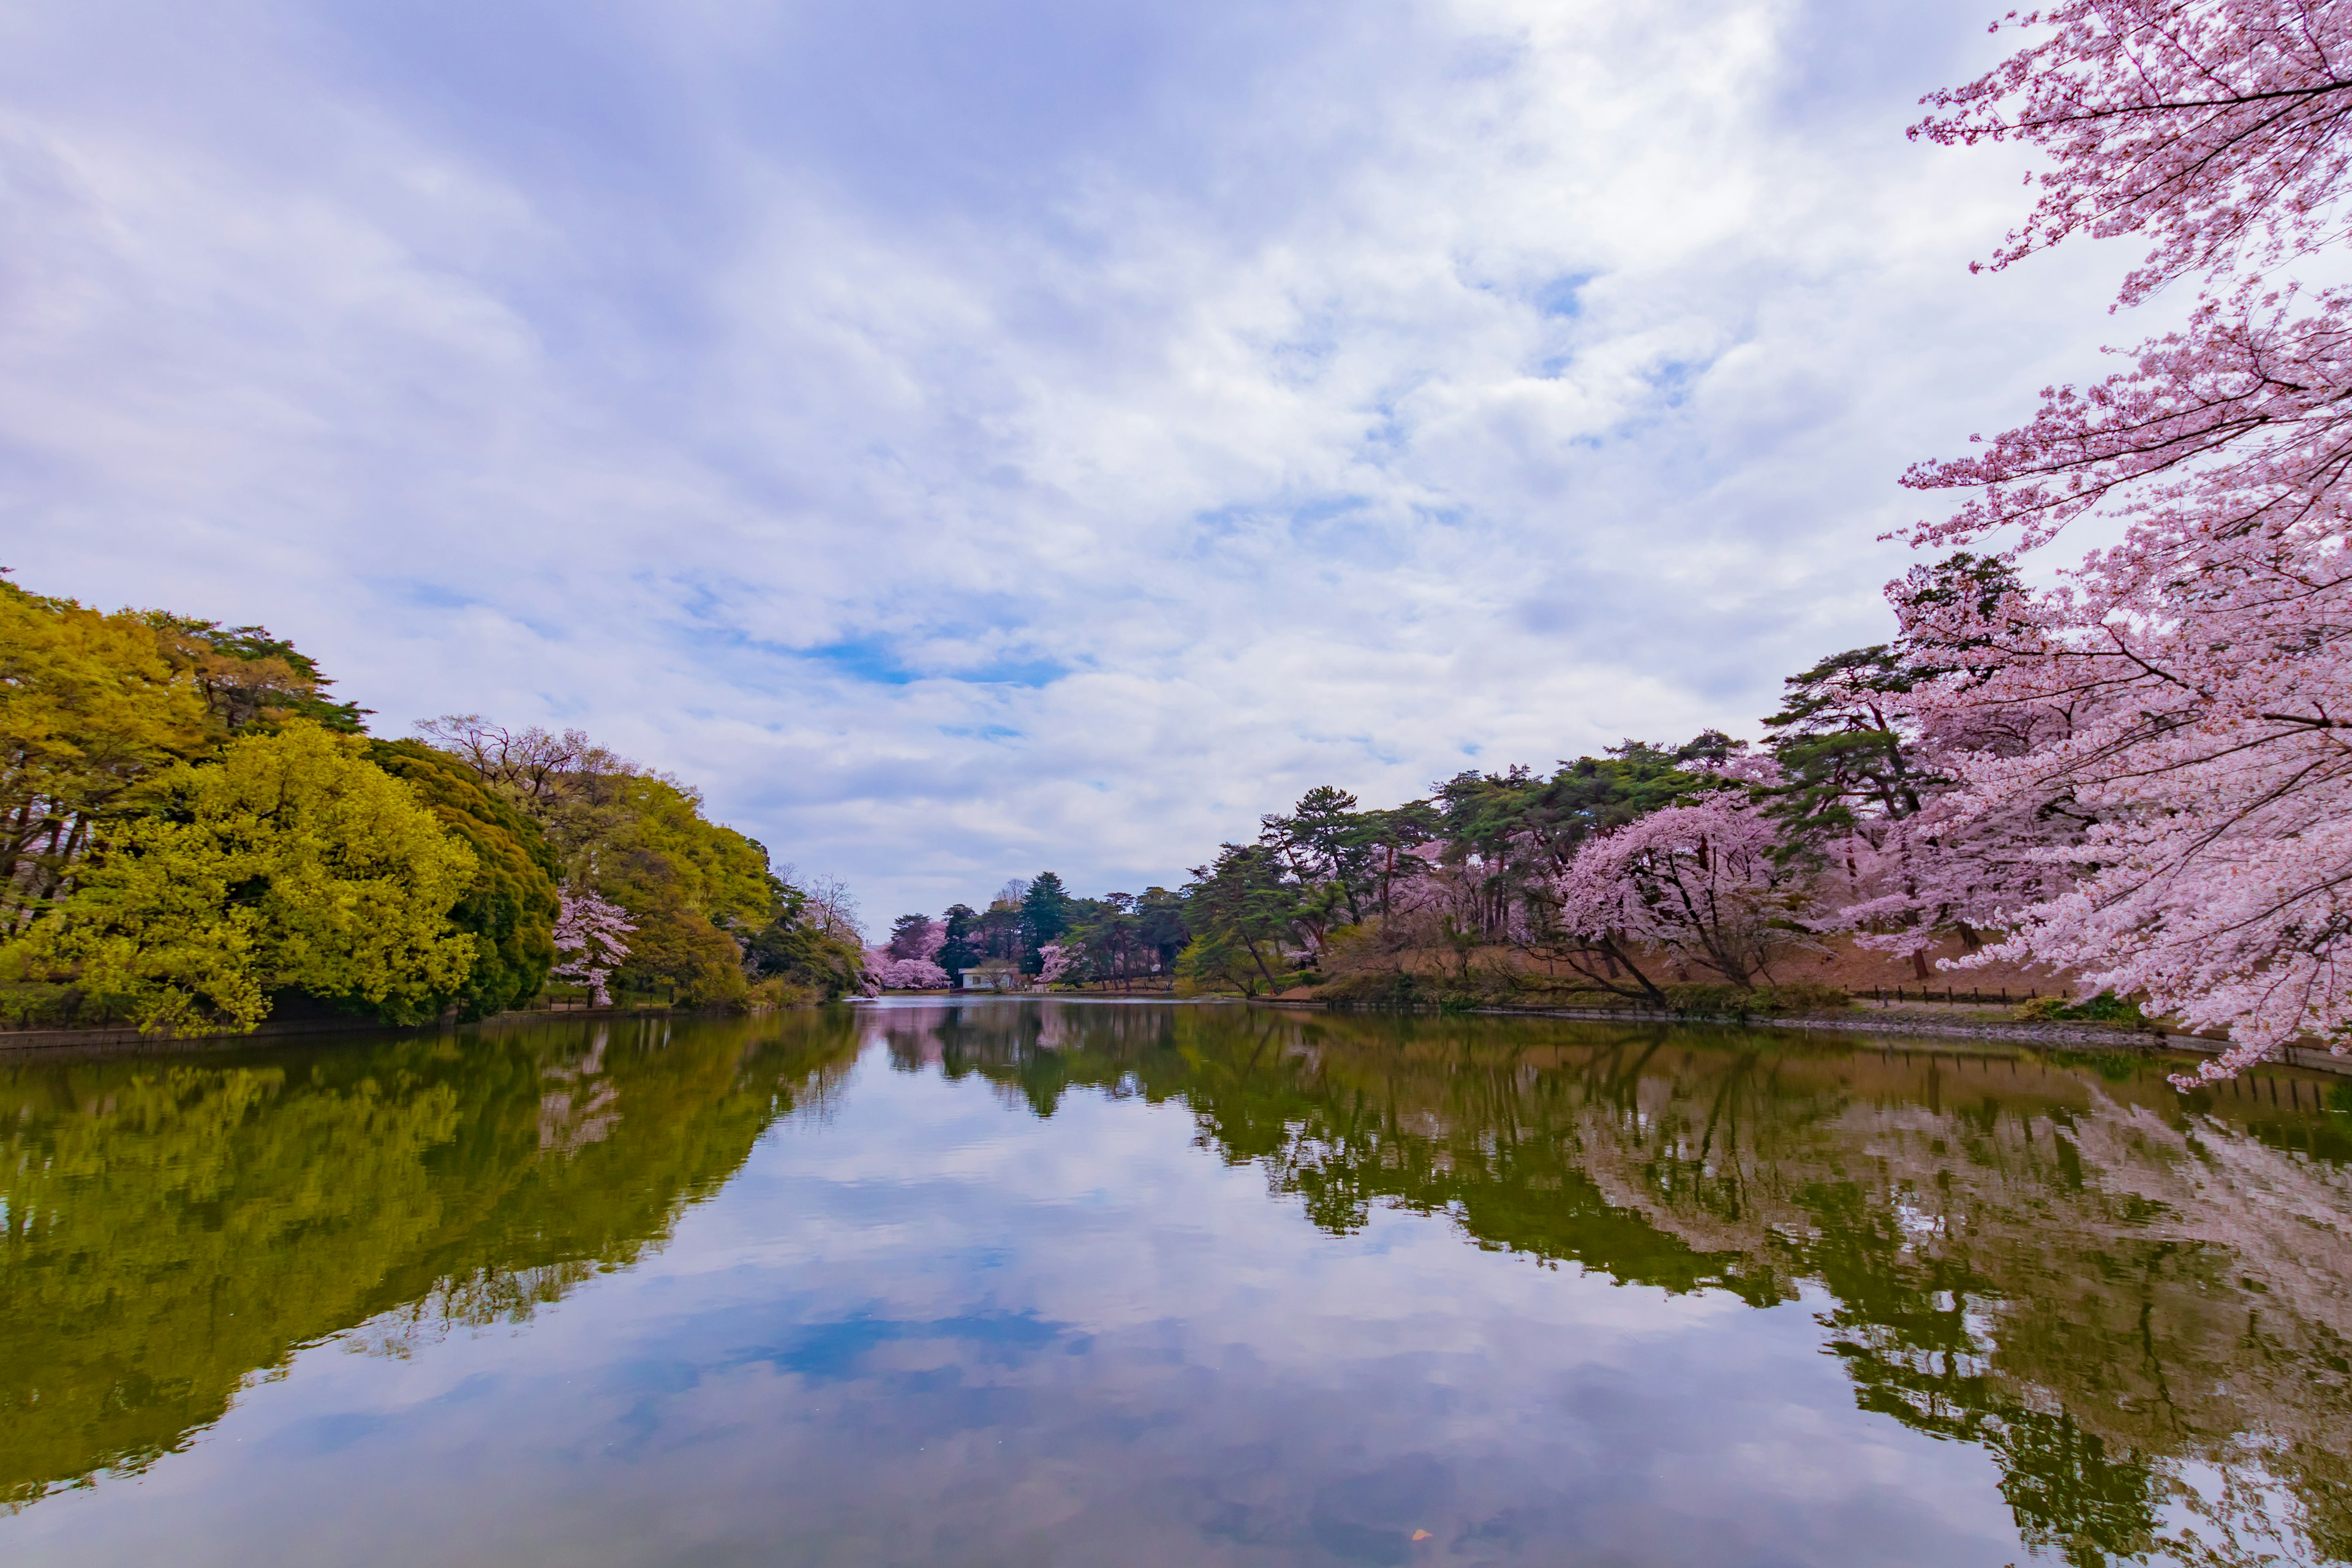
pixel 1022 1282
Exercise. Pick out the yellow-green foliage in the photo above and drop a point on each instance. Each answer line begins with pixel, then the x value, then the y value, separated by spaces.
pixel 90 706
pixel 511 906
pixel 1215 962
pixel 292 864
pixel 797 952
pixel 137 881
pixel 675 946
pixel 718 873
pixel 168 1233
pixel 687 882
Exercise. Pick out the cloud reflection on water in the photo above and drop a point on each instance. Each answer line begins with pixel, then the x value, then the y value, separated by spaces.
pixel 1053 1283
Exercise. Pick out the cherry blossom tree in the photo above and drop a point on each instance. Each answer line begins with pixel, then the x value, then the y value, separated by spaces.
pixel 916 936
pixel 1056 958
pixel 2202 663
pixel 591 940
pixel 910 974
pixel 1864 780
pixel 833 908
pixel 1700 881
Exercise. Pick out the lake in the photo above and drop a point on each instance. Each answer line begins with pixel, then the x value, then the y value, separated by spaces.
pixel 1032 1282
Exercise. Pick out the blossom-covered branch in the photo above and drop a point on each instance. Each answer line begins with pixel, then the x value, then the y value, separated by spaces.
pixel 2186 774
pixel 591 941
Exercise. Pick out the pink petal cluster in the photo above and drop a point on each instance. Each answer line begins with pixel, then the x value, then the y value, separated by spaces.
pixel 909 974
pixel 2178 824
pixel 1699 880
pixel 591 938
pixel 2212 126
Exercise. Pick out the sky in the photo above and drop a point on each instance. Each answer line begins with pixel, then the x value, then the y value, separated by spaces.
pixel 972 438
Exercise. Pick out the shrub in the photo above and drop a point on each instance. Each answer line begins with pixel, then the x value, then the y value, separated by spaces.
pixel 1373 988
pixel 1805 997
pixel 34 1005
pixel 2107 1007
pixel 775 994
pixel 1711 1001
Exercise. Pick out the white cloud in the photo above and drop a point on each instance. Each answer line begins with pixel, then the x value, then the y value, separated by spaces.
pixel 970 443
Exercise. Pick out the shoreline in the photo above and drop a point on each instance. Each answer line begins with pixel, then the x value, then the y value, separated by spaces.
pixel 130 1042
pixel 2141 1042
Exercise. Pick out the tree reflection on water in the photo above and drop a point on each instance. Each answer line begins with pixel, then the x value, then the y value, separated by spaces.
pixel 177 1228
pixel 2137 1303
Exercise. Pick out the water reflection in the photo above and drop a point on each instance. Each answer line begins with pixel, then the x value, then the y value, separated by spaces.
pixel 2058 1259
pixel 922 1336
pixel 175 1228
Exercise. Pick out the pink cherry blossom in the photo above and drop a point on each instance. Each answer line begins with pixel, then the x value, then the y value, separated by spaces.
pixel 1698 880
pixel 2213 127
pixel 910 974
pixel 2188 689
pixel 590 935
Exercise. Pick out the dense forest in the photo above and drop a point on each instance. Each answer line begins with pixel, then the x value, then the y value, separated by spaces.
pixel 194 835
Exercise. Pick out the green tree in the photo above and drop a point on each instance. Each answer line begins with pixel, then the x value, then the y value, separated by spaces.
pixel 676 948
pixel 1518 830
pixel 293 865
pixel 718 873
pixel 1045 910
pixel 961 951
pixel 800 951
pixel 1241 909
pixel 511 906
pixel 248 678
pixel 1110 940
pixel 1159 927
pixel 997 933
pixel 91 708
pixel 1842 752
pixel 908 933
pixel 702 893
pixel 1326 840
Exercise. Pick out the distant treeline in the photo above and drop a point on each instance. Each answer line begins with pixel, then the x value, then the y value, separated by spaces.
pixel 1649 866
pixel 1654 865
pixel 193 834
pixel 1036 929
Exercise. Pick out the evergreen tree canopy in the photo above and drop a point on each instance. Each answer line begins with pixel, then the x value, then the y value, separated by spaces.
pixel 962 950
pixel 1045 910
